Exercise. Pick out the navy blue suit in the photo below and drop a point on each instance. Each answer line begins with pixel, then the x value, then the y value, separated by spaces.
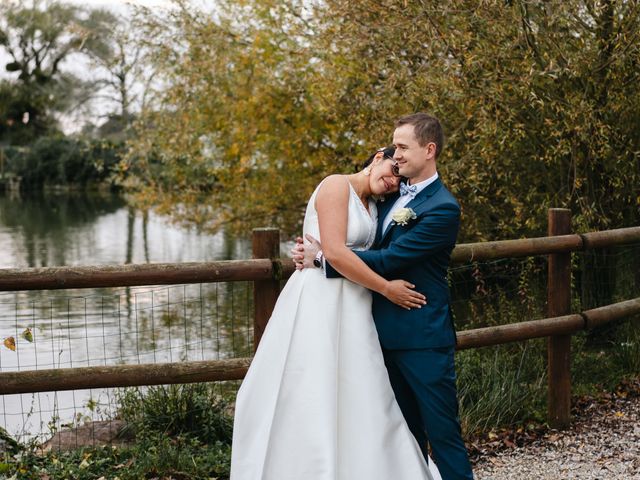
pixel 419 344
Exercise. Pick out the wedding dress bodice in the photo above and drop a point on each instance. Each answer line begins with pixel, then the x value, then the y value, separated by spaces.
pixel 361 225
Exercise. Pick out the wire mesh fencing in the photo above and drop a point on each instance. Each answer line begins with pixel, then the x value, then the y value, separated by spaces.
pixel 101 327
pixel 510 290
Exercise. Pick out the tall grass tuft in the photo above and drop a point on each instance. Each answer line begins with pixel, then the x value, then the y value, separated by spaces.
pixel 501 386
pixel 627 350
pixel 194 410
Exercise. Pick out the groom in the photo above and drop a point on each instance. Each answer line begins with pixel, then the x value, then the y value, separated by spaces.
pixel 417 231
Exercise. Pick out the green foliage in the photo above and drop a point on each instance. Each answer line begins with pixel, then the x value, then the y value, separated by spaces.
pixel 58 160
pixel 8 443
pixel 190 410
pixel 38 37
pixel 15 101
pixel 627 350
pixel 158 457
pixel 181 431
pixel 539 99
pixel 602 365
pixel 500 386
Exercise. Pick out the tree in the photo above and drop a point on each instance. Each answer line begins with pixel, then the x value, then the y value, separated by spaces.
pixel 122 78
pixel 229 137
pixel 539 99
pixel 39 37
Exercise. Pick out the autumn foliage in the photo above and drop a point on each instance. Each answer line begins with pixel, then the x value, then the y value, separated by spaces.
pixel 261 99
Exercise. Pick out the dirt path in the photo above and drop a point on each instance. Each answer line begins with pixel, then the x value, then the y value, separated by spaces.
pixel 603 443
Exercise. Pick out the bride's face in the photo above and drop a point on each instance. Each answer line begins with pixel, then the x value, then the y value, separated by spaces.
pixel 382 179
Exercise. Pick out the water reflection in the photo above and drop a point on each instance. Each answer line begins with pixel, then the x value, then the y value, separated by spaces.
pixel 98 228
pixel 43 230
pixel 108 326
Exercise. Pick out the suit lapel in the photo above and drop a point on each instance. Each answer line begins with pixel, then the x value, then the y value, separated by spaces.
pixel 421 197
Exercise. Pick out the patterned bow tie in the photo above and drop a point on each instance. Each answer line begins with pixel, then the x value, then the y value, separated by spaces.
pixel 410 190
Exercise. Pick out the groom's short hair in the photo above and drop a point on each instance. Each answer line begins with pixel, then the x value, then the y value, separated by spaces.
pixel 427 129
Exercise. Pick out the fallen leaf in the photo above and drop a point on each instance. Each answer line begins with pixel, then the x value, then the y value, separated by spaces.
pixel 28 335
pixel 509 443
pixel 10 343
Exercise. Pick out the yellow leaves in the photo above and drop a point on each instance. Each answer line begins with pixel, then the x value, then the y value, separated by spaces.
pixel 283 102
pixel 234 149
pixel 85 463
pixel 10 343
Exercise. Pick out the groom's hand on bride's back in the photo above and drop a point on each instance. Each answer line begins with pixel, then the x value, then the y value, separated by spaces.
pixel 304 254
pixel 403 294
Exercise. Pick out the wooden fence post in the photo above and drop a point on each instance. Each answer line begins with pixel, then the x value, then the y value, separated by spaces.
pixel 266 244
pixel 559 303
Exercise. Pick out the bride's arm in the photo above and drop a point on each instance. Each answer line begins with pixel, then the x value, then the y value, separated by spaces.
pixel 332 205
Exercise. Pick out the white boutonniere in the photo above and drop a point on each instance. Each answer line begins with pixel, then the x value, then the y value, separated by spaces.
pixel 402 216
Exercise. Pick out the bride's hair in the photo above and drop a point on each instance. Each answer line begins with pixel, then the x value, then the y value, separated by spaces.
pixel 387 154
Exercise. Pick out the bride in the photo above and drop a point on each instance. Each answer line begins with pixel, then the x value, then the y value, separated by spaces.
pixel 316 403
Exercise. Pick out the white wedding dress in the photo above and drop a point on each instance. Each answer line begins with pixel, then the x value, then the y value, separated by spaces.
pixel 316 403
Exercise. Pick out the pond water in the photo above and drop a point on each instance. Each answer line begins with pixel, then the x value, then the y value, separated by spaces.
pixel 86 327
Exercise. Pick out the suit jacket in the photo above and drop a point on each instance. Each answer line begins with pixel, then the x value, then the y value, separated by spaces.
pixel 418 252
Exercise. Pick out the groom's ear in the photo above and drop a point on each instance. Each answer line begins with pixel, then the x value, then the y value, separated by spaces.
pixel 430 150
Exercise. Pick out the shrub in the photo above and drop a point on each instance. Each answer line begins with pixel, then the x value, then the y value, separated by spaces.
pixel 193 410
pixel 59 160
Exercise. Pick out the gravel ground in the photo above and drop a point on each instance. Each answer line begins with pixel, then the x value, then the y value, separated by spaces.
pixel 603 443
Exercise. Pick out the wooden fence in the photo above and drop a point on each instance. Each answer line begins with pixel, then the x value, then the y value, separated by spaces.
pixel 266 270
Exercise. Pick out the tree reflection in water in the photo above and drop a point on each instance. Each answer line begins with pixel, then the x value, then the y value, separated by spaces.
pixel 108 326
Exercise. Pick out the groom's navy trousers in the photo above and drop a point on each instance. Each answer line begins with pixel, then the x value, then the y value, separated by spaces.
pixel 419 344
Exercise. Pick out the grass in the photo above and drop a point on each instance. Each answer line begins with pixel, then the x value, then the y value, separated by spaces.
pixel 506 386
pixel 185 431
pixel 500 386
pixel 195 411
pixel 159 457
pixel 180 431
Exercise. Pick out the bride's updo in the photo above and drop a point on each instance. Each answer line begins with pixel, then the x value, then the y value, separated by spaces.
pixel 386 155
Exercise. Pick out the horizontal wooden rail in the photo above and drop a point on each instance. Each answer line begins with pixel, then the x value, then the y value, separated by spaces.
pixel 31 381
pixel 469 252
pixel 98 276
pixel 600 316
pixel 488 336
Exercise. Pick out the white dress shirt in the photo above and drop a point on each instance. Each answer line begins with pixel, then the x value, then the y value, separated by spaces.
pixel 404 199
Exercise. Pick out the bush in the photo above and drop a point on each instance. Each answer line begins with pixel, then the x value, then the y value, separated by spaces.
pixel 181 431
pixel 58 160
pixel 193 410
pixel 160 457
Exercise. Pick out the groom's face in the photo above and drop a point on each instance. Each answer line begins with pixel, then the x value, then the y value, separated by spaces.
pixel 412 158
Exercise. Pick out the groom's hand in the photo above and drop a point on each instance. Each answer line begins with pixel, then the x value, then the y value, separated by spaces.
pixel 304 254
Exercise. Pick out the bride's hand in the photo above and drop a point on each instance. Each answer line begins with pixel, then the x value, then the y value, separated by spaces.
pixel 303 254
pixel 402 293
